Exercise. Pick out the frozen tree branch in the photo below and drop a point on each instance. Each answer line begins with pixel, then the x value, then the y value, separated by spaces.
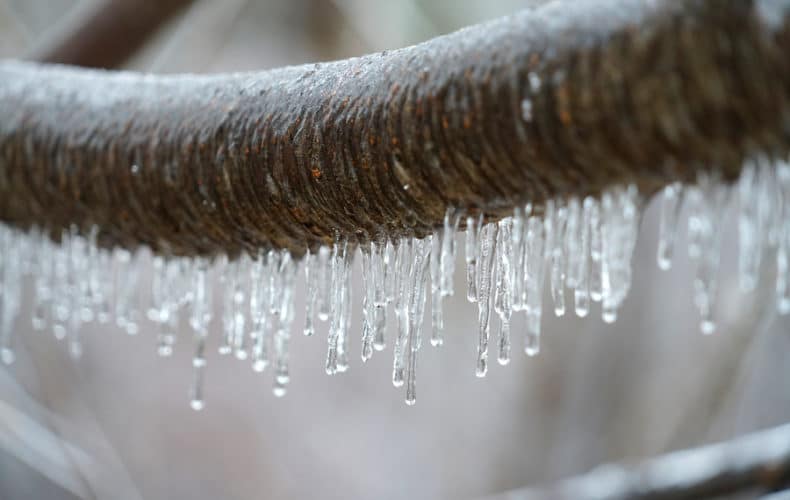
pixel 753 464
pixel 566 99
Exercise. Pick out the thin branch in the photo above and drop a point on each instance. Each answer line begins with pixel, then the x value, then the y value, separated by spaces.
pixel 566 99
pixel 110 33
pixel 756 463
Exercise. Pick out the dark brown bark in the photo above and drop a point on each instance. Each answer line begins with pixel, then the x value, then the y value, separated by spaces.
pixel 111 33
pixel 619 91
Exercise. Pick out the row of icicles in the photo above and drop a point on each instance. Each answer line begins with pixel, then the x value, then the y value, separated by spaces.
pixel 584 245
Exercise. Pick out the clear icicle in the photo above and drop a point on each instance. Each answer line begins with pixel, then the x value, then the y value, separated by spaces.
pixel 783 243
pixel 390 271
pixel 750 228
pixel 581 263
pixel 259 301
pixel 42 283
pixel 311 286
pixel 126 314
pixel 503 300
pixel 344 340
pixel 61 289
pixel 324 283
pixel 11 292
pixel 534 264
pixel 596 252
pixel 472 229
pixel 403 263
pixel 285 313
pixel 452 219
pixel 485 258
pixel 437 256
pixel 200 316
pixel 380 260
pixel 671 201
pixel 368 304
pixel 228 282
pixel 706 204
pixel 619 229
pixel 416 308
pixel 339 270
pixel 557 225
pixel 239 337
pixel 518 228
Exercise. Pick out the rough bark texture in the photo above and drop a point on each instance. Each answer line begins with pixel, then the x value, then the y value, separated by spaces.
pixel 563 100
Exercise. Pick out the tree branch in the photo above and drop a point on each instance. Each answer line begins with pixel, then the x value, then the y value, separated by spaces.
pixel 756 463
pixel 110 33
pixel 563 100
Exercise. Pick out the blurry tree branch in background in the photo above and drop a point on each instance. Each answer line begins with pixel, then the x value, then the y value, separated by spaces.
pixel 110 33
pixel 754 464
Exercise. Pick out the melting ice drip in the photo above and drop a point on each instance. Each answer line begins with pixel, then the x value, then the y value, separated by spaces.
pixel 584 245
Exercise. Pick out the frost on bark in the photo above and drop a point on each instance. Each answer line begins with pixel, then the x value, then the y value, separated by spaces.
pixel 551 102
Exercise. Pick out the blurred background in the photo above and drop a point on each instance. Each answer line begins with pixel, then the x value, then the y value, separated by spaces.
pixel 117 423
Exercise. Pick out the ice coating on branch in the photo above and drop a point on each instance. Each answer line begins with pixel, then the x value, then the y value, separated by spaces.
pixel 582 244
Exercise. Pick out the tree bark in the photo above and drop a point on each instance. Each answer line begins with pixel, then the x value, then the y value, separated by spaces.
pixel 564 100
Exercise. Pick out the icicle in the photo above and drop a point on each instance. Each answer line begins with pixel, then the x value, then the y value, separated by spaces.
pixel 339 271
pixel 311 287
pixel 380 260
pixel 783 249
pixel 452 219
pixel 260 294
pixel 62 289
pixel 750 224
pixel 227 280
pixel 619 228
pixel 596 252
pixel 75 292
pixel 485 257
pixel 416 309
pixel 324 283
pixel 706 204
pixel 534 273
pixel 285 314
pixel 437 256
pixel 403 263
pixel 42 287
pixel 200 316
pixel 125 287
pixel 503 299
pixel 368 303
pixel 344 339
pixel 11 292
pixel 581 264
pixel 556 236
pixel 671 201
pixel 518 228
pixel 472 229
pixel 390 271
pixel 164 303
